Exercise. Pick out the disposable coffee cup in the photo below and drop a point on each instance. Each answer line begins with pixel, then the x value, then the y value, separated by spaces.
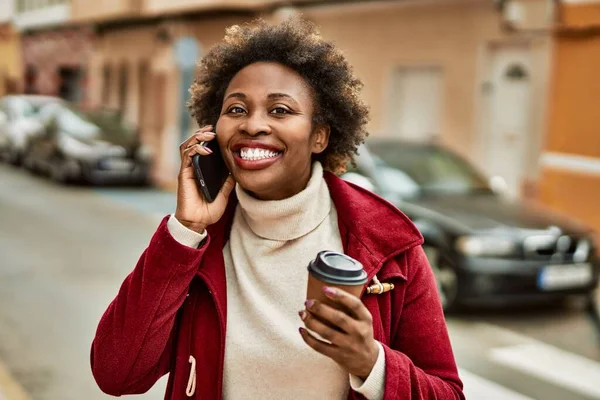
pixel 337 270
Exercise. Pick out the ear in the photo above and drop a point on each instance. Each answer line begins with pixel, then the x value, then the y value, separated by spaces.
pixel 320 139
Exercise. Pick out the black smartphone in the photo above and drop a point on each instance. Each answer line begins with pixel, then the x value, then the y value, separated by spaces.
pixel 211 171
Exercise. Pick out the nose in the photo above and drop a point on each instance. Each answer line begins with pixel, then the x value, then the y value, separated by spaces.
pixel 255 124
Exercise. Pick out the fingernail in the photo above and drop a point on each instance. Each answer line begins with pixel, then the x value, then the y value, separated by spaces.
pixel 309 303
pixel 209 151
pixel 302 315
pixel 301 330
pixel 330 292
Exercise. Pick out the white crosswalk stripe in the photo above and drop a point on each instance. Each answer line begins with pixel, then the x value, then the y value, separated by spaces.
pixel 498 363
pixel 553 365
pixel 478 388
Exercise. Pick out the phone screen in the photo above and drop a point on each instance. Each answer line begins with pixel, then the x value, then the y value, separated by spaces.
pixel 211 171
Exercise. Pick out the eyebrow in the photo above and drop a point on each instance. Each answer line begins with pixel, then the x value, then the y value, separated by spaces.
pixel 236 95
pixel 271 96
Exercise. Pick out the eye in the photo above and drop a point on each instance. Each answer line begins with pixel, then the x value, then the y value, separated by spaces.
pixel 280 110
pixel 236 110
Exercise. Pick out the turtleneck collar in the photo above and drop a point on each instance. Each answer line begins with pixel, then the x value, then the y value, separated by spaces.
pixel 290 218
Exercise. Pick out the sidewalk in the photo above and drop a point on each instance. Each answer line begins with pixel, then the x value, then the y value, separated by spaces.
pixel 9 388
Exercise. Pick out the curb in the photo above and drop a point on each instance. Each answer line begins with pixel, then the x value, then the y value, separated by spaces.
pixel 9 388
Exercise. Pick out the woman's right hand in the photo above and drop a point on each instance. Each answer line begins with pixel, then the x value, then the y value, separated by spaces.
pixel 193 211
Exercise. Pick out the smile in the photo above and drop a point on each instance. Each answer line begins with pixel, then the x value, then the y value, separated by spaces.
pixel 255 154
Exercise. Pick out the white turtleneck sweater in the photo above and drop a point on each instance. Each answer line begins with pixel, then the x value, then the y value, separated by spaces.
pixel 270 245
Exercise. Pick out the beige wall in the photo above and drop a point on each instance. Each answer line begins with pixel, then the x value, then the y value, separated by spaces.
pixel 155 7
pixel 85 10
pixel 453 35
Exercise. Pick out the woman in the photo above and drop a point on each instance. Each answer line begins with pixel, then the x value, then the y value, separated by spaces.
pixel 218 296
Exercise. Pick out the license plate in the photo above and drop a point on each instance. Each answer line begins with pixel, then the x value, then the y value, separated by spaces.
pixel 557 277
pixel 116 163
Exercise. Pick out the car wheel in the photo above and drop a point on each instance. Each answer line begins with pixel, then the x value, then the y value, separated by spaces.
pixel 14 158
pixel 445 277
pixel 30 164
pixel 59 172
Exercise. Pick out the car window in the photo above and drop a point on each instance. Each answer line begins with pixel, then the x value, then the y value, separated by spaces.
pixel 431 168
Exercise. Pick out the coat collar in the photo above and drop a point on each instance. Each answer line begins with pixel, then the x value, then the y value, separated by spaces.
pixel 372 230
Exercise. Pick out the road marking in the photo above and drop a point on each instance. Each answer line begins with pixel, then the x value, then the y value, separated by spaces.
pixel 478 388
pixel 9 388
pixel 553 365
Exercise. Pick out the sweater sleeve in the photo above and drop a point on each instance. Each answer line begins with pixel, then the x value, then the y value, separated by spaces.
pixel 419 363
pixel 373 387
pixel 184 235
pixel 132 347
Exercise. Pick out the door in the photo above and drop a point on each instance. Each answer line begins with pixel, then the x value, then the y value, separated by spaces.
pixel 416 103
pixel 69 87
pixel 507 131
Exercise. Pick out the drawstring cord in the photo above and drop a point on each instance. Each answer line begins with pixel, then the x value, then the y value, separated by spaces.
pixel 191 385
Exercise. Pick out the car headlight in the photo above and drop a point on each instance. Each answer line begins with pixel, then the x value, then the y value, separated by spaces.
pixel 481 246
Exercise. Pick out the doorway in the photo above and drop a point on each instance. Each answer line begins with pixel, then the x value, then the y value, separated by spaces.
pixel 70 78
pixel 416 103
pixel 507 120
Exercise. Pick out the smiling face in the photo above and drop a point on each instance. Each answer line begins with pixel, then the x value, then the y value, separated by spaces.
pixel 266 131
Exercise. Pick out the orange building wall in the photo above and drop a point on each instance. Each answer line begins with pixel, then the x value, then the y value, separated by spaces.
pixel 574 117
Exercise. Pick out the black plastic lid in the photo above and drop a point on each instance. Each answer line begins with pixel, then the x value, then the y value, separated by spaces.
pixel 337 268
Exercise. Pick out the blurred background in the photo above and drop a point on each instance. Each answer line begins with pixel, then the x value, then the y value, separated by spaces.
pixel 484 130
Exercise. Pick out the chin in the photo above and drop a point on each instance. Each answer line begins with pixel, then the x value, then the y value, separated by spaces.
pixel 256 182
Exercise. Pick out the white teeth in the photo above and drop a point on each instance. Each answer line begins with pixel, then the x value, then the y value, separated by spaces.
pixel 256 153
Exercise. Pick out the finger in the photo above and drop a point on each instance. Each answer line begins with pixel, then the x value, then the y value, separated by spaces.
pixel 223 196
pixel 331 316
pixel 348 302
pixel 191 151
pixel 325 331
pixel 194 138
pixel 319 346
pixel 204 136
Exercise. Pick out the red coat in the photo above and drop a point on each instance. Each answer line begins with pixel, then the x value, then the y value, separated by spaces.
pixel 174 304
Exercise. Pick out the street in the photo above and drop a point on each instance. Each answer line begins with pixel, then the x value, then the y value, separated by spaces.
pixel 65 250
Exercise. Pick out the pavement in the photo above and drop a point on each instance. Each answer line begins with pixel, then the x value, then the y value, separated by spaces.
pixel 65 251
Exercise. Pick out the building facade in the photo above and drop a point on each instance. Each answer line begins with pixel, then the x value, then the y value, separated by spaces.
pixel 55 52
pixel 446 70
pixel 570 177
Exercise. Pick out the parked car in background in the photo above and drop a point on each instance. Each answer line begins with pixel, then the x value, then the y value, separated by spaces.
pixel 19 122
pixel 483 247
pixel 91 146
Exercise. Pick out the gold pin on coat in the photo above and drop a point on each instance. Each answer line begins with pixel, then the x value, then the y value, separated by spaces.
pixel 378 287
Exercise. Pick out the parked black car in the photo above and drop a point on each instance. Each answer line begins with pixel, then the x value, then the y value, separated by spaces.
pixel 482 246
pixel 93 146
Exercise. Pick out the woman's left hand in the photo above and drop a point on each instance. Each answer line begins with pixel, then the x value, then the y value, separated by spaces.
pixel 352 344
